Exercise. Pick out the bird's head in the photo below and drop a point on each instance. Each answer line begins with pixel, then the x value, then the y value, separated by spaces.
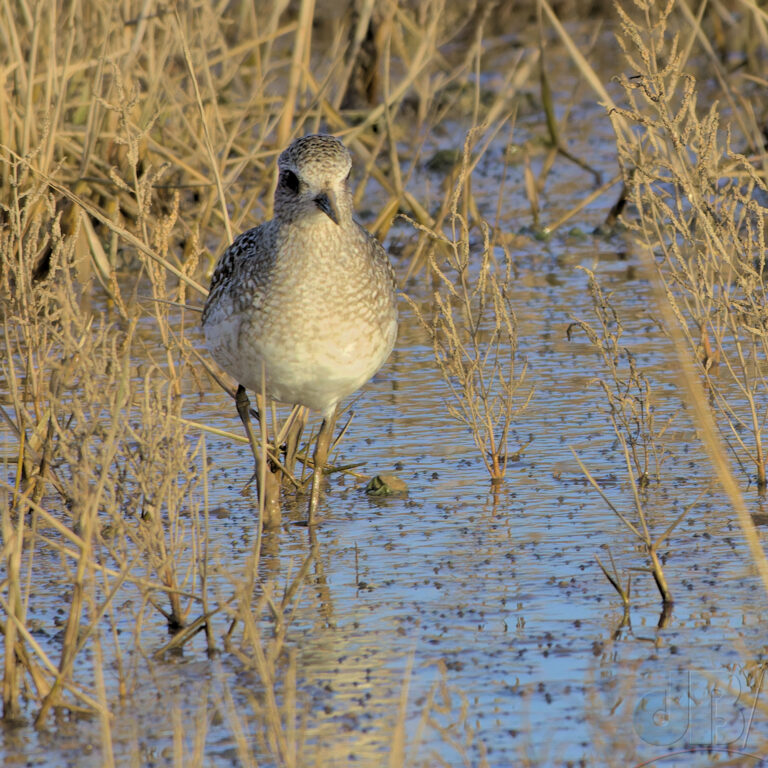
pixel 314 171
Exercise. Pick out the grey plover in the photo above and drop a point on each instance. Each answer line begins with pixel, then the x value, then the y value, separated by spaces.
pixel 306 300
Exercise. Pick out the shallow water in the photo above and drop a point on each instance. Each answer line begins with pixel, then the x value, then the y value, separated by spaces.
pixel 487 605
pixel 496 594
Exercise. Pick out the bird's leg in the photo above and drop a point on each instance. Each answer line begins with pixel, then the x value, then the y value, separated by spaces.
pixel 321 455
pixel 244 411
pixel 271 489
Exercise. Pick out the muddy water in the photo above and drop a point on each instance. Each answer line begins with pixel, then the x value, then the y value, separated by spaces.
pixel 487 607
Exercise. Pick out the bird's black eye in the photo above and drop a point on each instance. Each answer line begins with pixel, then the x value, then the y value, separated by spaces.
pixel 291 180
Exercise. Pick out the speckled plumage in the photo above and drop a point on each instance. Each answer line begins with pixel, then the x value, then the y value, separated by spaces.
pixel 309 295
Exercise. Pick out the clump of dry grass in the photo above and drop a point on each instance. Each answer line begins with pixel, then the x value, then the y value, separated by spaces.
pixel 695 211
pixel 700 224
pixel 97 444
pixel 631 402
pixel 699 212
pixel 473 330
pixel 631 407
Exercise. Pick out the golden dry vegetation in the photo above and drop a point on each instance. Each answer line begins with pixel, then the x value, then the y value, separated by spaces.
pixel 137 138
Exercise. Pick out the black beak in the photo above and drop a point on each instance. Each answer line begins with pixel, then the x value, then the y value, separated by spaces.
pixel 328 205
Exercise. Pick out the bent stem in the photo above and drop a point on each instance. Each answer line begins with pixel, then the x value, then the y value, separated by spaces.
pixel 642 532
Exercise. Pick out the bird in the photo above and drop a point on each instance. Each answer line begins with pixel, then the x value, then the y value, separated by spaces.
pixel 304 305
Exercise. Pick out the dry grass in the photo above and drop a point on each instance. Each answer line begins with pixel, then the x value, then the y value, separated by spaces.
pixel 631 406
pixel 700 223
pixel 473 331
pixel 693 203
pixel 630 400
pixel 133 147
pixel 701 217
